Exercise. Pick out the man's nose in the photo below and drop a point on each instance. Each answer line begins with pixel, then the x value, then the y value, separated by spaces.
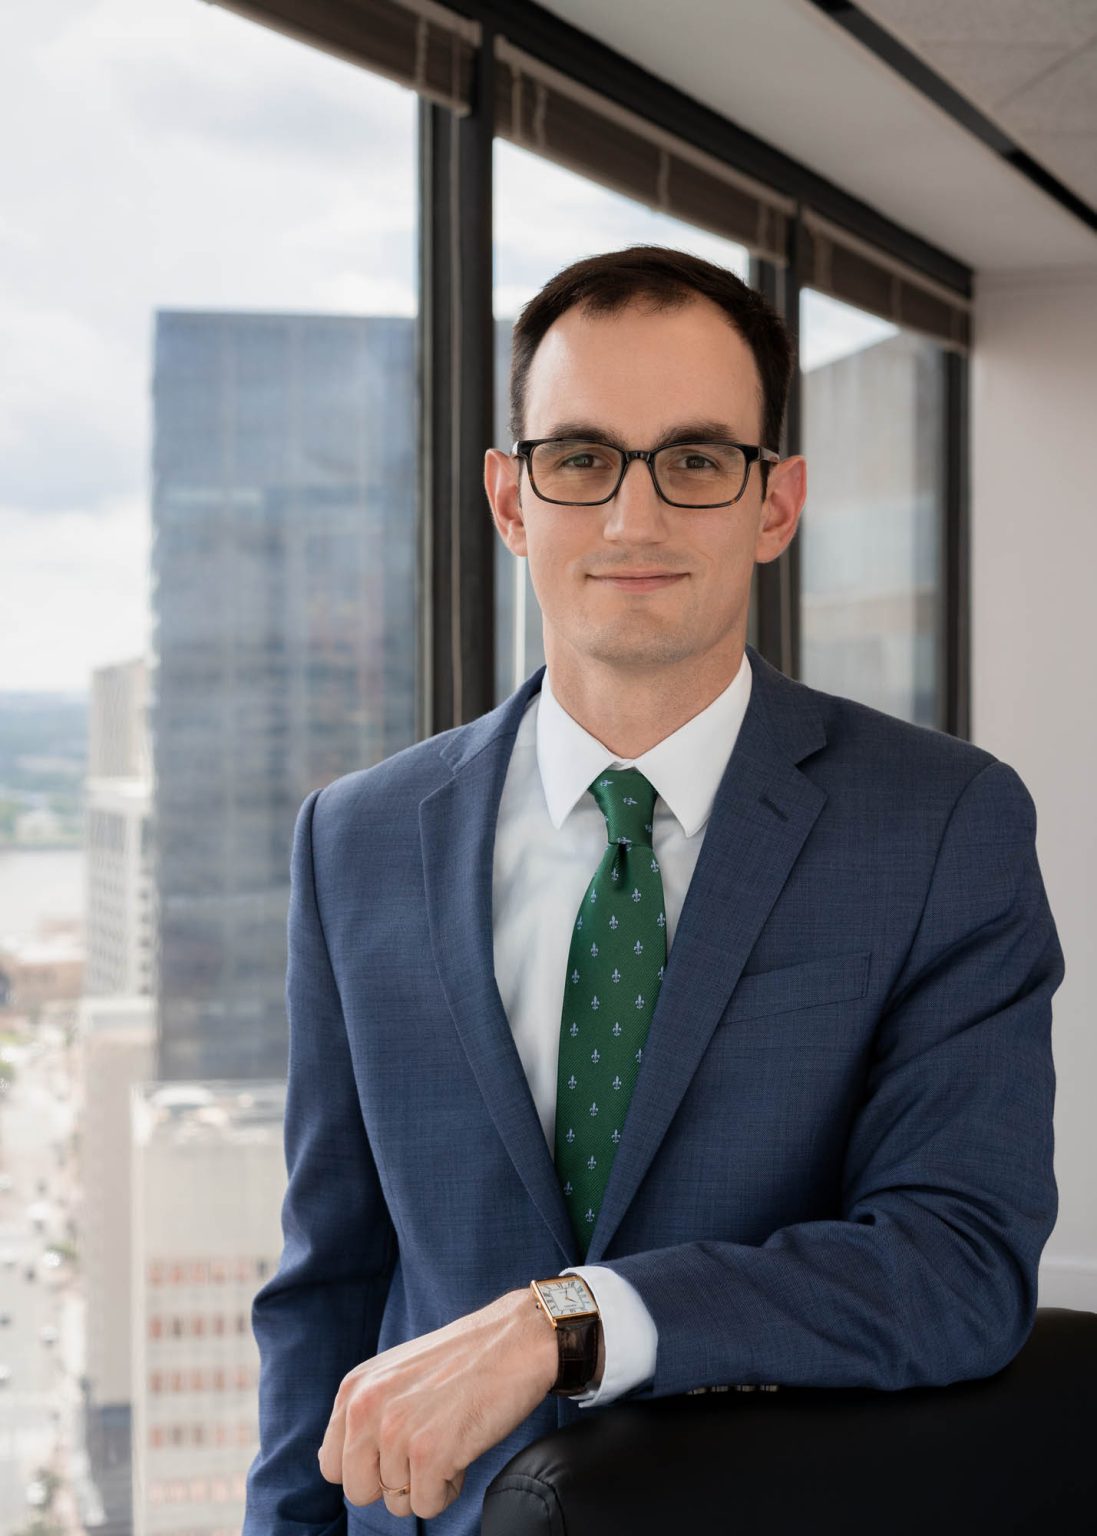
pixel 637 504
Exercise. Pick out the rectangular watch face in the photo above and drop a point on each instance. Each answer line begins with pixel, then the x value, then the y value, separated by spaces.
pixel 567 1296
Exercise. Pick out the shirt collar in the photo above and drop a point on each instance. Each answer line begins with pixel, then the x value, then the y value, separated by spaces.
pixel 685 767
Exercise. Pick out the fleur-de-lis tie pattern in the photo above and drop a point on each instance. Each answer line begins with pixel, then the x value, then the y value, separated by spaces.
pixel 615 969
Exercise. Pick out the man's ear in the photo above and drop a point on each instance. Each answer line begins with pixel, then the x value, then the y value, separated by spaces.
pixel 786 493
pixel 501 482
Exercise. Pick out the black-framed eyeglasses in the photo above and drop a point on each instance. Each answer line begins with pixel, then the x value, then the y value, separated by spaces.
pixel 576 473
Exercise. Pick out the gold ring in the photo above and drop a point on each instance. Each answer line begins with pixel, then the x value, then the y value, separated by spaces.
pixel 406 1488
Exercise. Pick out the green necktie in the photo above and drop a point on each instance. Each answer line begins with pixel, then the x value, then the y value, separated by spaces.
pixel 615 969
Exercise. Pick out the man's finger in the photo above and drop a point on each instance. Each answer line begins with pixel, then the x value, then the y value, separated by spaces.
pixel 330 1454
pixel 430 1492
pixel 390 1480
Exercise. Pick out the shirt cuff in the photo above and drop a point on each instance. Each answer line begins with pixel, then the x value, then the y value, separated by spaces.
pixel 628 1329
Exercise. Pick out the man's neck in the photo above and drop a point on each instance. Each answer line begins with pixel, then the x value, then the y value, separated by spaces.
pixel 630 711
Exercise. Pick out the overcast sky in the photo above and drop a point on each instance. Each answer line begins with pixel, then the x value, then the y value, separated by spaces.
pixel 168 154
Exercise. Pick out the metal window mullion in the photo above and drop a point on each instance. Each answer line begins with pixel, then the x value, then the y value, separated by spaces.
pixel 432 679
pixel 763 276
pixel 954 665
pixel 473 586
pixel 778 590
pixel 792 280
pixel 456 378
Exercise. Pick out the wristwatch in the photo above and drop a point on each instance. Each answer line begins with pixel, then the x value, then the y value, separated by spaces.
pixel 571 1309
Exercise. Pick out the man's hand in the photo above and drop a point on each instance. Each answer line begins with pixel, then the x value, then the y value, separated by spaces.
pixel 415 1416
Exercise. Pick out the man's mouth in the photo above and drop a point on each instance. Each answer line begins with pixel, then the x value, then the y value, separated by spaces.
pixel 644 583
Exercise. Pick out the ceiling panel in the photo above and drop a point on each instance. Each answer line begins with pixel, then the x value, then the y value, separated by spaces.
pixel 1029 65
pixel 1062 99
pixel 1066 24
pixel 990 71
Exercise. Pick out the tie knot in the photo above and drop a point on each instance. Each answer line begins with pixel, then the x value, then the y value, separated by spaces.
pixel 627 801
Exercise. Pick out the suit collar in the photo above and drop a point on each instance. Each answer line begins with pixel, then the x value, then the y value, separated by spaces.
pixel 763 810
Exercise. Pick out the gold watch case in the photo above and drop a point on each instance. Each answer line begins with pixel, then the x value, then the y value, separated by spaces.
pixel 565 1299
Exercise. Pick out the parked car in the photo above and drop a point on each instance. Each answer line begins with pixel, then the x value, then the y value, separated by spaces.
pixel 51 1259
pixel 5 1374
pixel 37 1493
pixel 48 1333
pixel 5 1319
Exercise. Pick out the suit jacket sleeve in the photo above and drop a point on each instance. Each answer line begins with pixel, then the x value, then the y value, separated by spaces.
pixel 929 1276
pixel 319 1315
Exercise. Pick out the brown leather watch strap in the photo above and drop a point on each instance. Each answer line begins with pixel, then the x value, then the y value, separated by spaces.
pixel 577 1346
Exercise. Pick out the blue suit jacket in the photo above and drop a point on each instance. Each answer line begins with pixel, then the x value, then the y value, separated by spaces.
pixel 836 1168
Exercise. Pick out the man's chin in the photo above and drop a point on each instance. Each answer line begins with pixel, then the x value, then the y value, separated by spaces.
pixel 635 652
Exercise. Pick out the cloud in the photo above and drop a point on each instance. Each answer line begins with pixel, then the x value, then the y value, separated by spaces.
pixel 184 74
pixel 181 158
pixel 168 156
pixel 63 441
pixel 73 592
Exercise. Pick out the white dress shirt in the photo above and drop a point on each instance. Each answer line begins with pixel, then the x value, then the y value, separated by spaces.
pixel 549 839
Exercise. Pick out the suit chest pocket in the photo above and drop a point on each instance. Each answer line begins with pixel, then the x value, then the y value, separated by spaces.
pixel 809 984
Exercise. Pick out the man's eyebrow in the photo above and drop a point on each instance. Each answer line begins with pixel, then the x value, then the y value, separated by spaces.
pixel 683 431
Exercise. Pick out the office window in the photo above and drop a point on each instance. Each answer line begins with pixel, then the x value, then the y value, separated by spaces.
pixel 208 515
pixel 544 218
pixel 871 530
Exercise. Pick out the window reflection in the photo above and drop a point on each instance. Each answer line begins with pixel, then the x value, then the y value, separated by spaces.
pixel 870 532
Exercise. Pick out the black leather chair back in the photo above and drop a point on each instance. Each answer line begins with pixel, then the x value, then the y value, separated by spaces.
pixel 1012 1453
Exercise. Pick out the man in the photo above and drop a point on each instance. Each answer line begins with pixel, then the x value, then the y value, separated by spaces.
pixel 795 953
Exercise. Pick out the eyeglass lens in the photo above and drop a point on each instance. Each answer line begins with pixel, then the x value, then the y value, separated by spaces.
pixel 693 474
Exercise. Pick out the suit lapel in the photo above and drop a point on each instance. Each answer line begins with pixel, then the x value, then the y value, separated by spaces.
pixel 457 826
pixel 762 813
pixel 763 810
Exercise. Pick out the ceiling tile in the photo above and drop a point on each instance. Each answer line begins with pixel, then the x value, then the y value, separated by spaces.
pixel 1061 23
pixel 1030 65
pixel 1062 101
pixel 987 72
pixel 1070 156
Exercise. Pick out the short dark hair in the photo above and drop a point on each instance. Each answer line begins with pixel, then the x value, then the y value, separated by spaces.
pixel 667 279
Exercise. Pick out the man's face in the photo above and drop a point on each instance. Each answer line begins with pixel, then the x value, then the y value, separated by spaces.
pixel 635 377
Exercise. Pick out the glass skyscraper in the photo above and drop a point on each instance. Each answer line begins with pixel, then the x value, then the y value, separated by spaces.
pixel 284 638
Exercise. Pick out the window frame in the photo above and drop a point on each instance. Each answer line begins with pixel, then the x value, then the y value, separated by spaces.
pixel 777 594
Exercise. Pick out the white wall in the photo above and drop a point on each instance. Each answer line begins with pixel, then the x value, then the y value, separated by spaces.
pixel 1034 616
